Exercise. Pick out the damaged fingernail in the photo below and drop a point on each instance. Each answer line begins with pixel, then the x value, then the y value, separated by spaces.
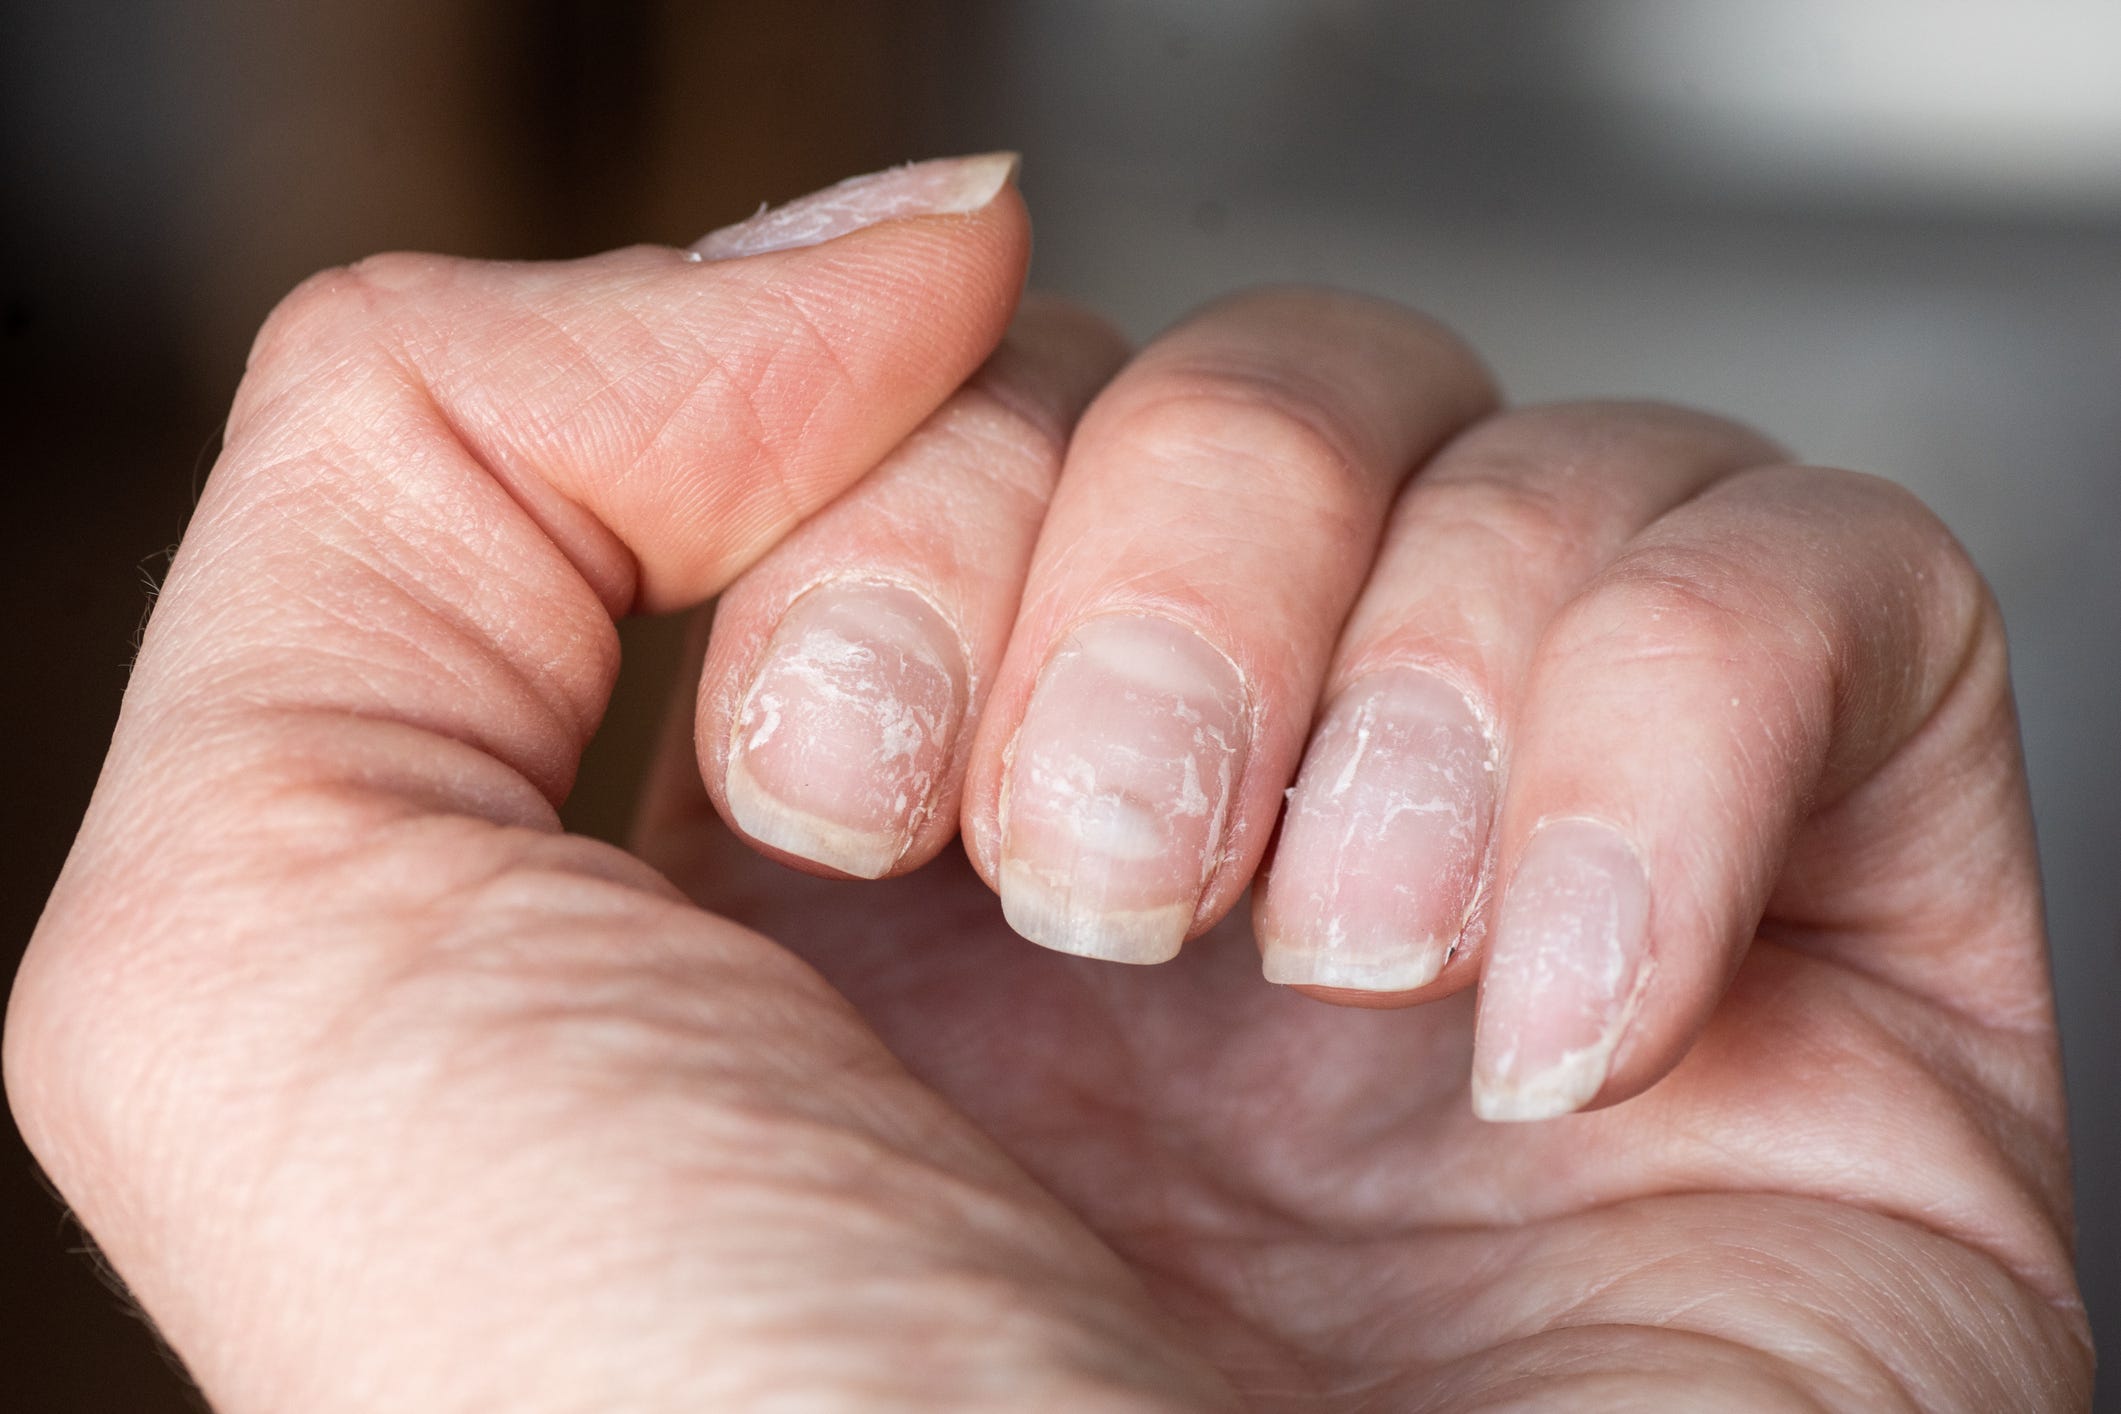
pixel 1119 789
pixel 948 186
pixel 1565 973
pixel 1382 845
pixel 849 727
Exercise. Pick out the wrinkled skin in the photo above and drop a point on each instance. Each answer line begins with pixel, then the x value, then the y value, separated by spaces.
pixel 381 1092
pixel 1261 1159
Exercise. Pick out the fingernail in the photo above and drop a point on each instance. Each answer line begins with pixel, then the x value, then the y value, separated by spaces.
pixel 948 186
pixel 1119 788
pixel 1565 972
pixel 1382 844
pixel 848 728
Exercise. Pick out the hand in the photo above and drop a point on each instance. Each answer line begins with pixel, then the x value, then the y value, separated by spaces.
pixel 382 1093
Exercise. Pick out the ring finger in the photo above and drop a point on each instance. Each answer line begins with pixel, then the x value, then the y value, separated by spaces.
pixel 1376 890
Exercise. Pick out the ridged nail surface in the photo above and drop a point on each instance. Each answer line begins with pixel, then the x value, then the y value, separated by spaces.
pixel 1119 788
pixel 949 186
pixel 848 728
pixel 1565 974
pixel 1383 841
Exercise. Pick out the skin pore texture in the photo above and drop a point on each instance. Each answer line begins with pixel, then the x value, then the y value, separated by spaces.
pixel 1651 793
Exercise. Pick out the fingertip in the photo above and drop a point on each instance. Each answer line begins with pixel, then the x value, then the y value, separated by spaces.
pixel 1377 871
pixel 1426 976
pixel 1567 972
pixel 843 742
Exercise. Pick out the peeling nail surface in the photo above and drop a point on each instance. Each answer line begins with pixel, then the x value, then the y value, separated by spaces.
pixel 949 186
pixel 1119 789
pixel 1565 975
pixel 1382 847
pixel 846 732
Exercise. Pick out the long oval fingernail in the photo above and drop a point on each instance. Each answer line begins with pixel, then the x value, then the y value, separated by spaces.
pixel 1381 849
pixel 947 186
pixel 1565 972
pixel 848 728
pixel 1119 789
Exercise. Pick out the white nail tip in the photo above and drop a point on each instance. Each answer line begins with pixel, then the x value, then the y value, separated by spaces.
pixel 1393 970
pixel 772 822
pixel 1569 963
pixel 1381 846
pixel 950 186
pixel 1048 916
pixel 978 181
pixel 1562 1088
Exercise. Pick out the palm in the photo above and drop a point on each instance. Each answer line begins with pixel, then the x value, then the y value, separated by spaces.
pixel 1257 1156
pixel 379 1105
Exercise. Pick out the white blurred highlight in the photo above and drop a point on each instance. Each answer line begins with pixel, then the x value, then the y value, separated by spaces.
pixel 1949 99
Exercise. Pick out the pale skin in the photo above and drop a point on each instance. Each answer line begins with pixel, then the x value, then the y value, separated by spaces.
pixel 1659 1014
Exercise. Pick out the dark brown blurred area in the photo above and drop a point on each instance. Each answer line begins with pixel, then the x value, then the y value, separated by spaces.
pixel 170 170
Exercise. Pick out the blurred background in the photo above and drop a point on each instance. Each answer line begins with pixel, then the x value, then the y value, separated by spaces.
pixel 1886 231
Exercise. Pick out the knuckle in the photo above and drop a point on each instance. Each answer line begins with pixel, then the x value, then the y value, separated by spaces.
pixel 993 436
pixel 35 1061
pixel 1691 602
pixel 1526 513
pixel 1052 338
pixel 1918 556
pixel 1604 438
pixel 1624 425
pixel 332 309
pixel 83 1072
pixel 1324 317
pixel 1048 366
pixel 1930 605
pixel 1279 307
pixel 336 324
pixel 1253 426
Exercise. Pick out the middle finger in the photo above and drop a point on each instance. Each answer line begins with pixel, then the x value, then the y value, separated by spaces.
pixel 1218 511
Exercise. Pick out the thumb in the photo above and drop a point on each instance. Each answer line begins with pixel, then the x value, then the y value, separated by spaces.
pixel 390 618
pixel 376 1105
pixel 442 478
pixel 664 415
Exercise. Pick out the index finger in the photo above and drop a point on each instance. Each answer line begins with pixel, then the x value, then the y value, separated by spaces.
pixel 383 643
